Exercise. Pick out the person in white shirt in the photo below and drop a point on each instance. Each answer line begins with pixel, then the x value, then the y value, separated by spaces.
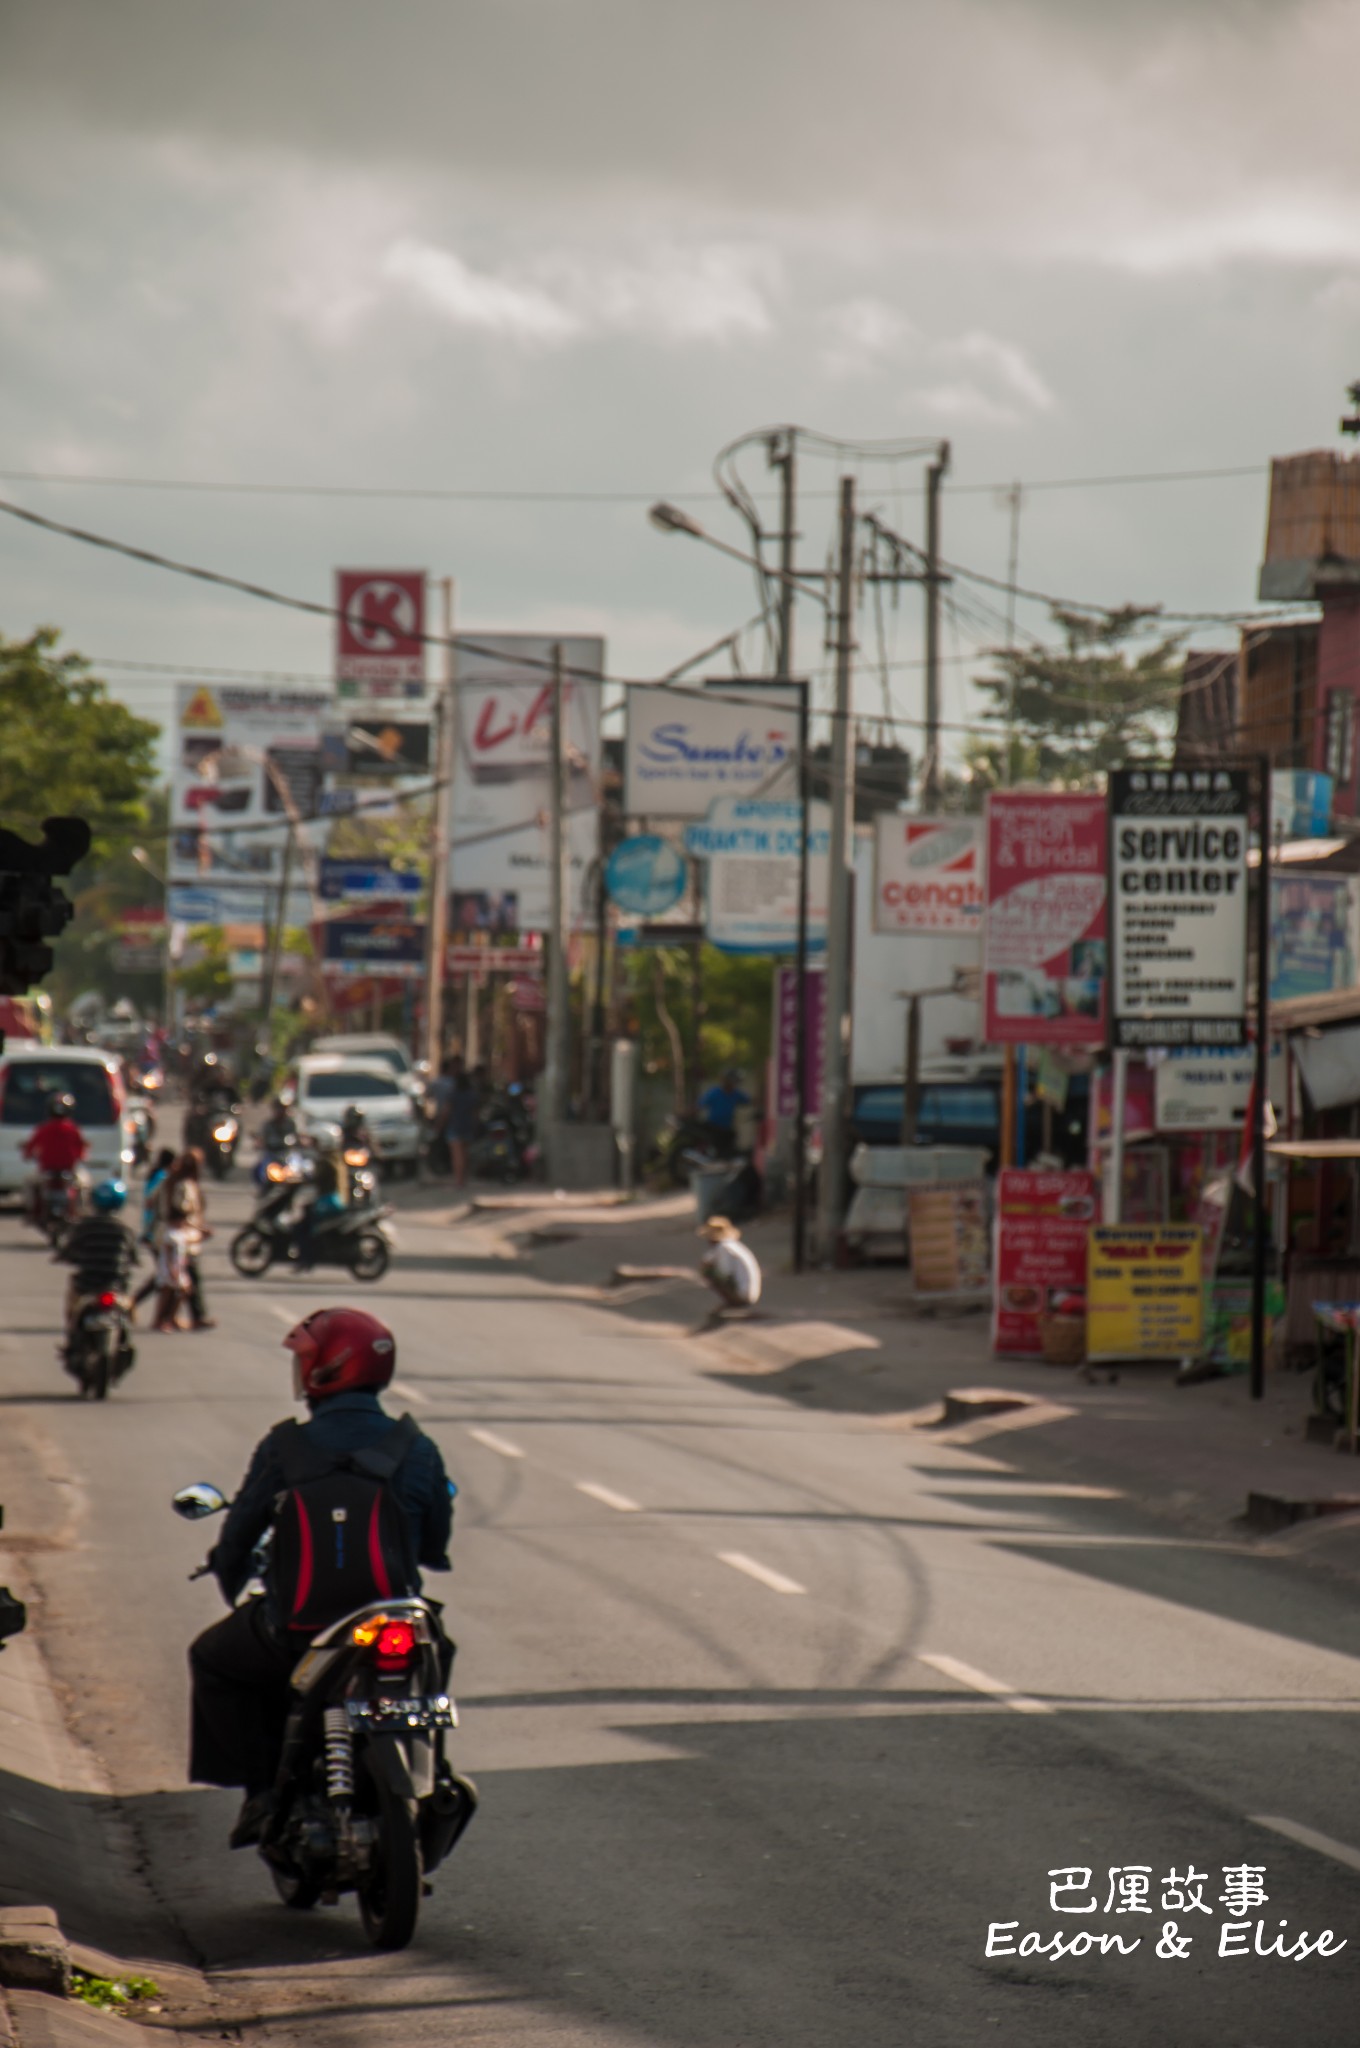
pixel 730 1267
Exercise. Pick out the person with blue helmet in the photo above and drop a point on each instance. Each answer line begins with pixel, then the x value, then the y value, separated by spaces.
pixel 101 1250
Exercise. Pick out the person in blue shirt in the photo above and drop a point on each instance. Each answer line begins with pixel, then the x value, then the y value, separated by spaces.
pixel 240 1667
pixel 718 1107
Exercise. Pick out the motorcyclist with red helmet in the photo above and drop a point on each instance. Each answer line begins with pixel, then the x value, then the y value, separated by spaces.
pixel 240 1667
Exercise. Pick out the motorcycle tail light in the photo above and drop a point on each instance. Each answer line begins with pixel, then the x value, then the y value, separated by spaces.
pixel 396 1646
pixel 108 1301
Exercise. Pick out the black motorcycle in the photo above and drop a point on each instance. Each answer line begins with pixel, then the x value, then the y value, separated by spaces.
pixel 365 1800
pixel 99 1349
pixel 220 1142
pixel 357 1238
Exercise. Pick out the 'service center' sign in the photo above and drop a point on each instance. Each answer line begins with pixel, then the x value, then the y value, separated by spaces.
pixel 1178 898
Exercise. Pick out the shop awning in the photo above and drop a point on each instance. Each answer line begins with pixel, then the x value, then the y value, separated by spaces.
pixel 1316 1013
pixel 1317 1149
pixel 1312 856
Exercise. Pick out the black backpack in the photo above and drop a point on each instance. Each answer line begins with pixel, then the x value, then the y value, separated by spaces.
pixel 341 1540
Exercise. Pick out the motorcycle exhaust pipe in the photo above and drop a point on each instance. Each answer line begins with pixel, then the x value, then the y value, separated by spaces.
pixel 451 1806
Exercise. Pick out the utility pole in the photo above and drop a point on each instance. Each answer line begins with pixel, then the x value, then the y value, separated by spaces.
pixel 271 965
pixel 558 1021
pixel 783 456
pixel 836 1066
pixel 935 475
pixel 437 927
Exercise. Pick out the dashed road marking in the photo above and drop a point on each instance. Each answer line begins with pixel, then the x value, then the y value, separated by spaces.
pixel 1309 1838
pixel 501 1445
pixel 405 1392
pixel 979 1681
pixel 754 1569
pixel 607 1497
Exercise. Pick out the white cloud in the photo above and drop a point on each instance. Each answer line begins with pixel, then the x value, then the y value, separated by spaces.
pixel 714 292
pixel 471 299
pixel 1297 228
pixel 864 333
pixel 23 281
pixel 1010 365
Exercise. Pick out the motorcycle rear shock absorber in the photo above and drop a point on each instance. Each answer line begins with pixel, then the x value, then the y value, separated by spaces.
pixel 339 1756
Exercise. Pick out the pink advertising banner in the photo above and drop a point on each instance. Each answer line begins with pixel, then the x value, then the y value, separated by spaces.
pixel 1045 949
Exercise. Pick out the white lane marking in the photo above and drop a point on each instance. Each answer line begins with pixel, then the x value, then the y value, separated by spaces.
pixel 285 1315
pixel 607 1497
pixel 753 1569
pixel 996 1688
pixel 405 1392
pixel 500 1444
pixel 1294 1831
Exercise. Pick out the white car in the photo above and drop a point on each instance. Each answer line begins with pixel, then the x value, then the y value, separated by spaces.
pixel 376 1045
pixel 31 1076
pixel 327 1084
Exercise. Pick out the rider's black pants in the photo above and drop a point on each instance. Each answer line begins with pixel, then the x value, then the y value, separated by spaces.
pixel 240 1670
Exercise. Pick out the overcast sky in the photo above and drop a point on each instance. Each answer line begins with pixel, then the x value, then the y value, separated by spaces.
pixel 578 245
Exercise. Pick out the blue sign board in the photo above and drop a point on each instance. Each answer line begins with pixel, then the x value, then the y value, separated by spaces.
pixel 365 945
pixel 352 881
pixel 645 874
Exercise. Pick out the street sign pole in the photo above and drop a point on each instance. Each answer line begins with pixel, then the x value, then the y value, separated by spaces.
pixel 437 932
pixel 1260 1235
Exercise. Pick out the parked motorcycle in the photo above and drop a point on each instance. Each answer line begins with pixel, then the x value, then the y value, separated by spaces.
pixel 99 1350
pixel 357 1237
pixel 365 1799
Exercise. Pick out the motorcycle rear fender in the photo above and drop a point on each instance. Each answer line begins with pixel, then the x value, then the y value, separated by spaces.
pixel 386 1761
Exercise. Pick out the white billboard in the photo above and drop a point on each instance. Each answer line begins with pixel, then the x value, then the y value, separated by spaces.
pixel 501 791
pixel 243 754
pixel 928 874
pixel 685 748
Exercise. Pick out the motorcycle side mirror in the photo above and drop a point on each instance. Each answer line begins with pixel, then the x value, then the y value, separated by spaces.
pixel 196 1502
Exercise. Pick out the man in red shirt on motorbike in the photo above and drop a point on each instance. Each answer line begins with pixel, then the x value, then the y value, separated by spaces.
pixel 56 1147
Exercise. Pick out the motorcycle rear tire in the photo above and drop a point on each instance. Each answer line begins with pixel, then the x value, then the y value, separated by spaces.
pixel 246 1249
pixel 99 1376
pixel 370 1257
pixel 389 1894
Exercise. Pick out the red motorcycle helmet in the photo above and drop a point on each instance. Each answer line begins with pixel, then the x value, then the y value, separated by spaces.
pixel 336 1350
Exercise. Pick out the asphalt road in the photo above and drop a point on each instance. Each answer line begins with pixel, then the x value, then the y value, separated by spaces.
pixel 772 1714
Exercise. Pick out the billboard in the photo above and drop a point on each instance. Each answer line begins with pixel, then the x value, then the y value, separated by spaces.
pixel 385 747
pixel 1178 924
pixel 389 948
pixel 928 874
pixel 1310 935
pixel 501 791
pixel 241 755
pixel 379 629
pixel 751 849
pixel 1045 945
pixel 684 748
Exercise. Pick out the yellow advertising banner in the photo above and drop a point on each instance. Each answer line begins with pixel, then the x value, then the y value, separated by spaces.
pixel 1144 1298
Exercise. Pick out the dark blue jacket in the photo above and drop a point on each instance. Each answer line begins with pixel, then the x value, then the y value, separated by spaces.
pixel 347 1422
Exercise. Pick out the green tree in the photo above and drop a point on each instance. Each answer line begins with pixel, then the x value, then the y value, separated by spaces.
pixel 1071 712
pixel 208 979
pixel 70 749
pixel 736 993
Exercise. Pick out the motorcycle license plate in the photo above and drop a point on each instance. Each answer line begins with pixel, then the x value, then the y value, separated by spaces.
pixel 101 1322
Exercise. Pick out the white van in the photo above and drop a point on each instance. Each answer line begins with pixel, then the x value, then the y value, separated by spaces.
pixel 30 1076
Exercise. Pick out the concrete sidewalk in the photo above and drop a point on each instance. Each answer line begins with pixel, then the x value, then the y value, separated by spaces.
pixel 853 1342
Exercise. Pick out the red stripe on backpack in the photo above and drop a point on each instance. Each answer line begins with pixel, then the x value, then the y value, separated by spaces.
pixel 377 1562
pixel 305 1559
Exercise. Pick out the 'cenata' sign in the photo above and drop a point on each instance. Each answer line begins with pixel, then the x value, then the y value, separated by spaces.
pixel 1178 905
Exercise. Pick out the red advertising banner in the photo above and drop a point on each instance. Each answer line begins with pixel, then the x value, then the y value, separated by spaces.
pixel 1046 951
pixel 379 644
pixel 1042 1221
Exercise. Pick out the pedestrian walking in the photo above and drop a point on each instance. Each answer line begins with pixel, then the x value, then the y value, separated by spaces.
pixel 184 1229
pixel 151 1222
pixel 460 1127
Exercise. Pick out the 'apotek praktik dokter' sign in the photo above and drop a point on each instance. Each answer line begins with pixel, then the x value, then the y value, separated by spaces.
pixel 1178 905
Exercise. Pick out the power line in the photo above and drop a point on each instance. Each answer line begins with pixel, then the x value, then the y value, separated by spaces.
pixel 440 495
